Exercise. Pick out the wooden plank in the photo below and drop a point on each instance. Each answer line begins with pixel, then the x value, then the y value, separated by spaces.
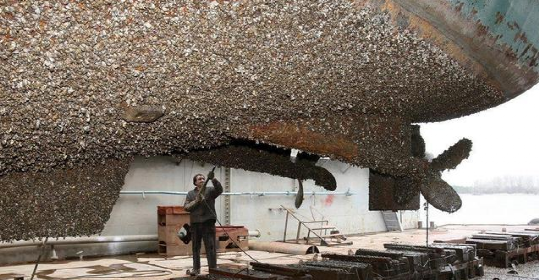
pixel 465 252
pixel 491 244
pixel 243 274
pixel 361 270
pixel 278 269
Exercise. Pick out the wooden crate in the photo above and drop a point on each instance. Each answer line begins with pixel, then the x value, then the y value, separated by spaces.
pixel 170 219
pixel 225 235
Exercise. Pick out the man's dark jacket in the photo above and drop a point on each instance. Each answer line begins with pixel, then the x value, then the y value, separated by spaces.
pixel 201 212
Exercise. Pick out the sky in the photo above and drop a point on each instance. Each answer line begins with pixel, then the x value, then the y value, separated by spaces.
pixel 505 141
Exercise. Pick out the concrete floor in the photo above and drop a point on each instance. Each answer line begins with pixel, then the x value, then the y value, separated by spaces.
pixel 153 266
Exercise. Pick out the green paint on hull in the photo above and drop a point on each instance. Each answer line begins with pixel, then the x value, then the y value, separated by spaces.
pixel 513 23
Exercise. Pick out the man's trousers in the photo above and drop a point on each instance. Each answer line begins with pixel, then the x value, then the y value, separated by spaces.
pixel 204 231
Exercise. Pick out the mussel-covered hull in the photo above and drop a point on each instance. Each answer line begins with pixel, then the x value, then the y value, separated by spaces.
pixel 87 81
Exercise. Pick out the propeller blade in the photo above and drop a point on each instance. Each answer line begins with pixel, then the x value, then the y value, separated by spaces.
pixel 299 196
pixel 324 179
pixel 406 189
pixel 440 194
pixel 453 156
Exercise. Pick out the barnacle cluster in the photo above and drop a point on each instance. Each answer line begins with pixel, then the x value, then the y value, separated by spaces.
pixel 60 203
pixel 266 159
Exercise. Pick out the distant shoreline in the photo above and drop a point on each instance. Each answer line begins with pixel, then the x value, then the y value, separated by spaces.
pixel 485 193
pixel 496 190
pixel 509 209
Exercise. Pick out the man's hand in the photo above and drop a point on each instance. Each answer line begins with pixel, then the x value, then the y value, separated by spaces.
pixel 191 205
pixel 200 197
pixel 211 175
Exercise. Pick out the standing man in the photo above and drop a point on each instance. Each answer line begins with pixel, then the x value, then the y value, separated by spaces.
pixel 201 206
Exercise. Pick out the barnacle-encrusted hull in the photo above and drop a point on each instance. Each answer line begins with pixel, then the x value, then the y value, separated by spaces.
pixel 91 80
pixel 61 202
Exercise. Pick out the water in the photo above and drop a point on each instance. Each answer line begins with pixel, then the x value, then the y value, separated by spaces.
pixel 511 209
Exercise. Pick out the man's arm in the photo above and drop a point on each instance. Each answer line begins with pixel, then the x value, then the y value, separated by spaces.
pixel 217 189
pixel 190 202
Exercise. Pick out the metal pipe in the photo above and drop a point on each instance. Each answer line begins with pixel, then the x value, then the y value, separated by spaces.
pixel 281 247
pixel 82 240
pixel 95 239
pixel 144 193
pixel 255 233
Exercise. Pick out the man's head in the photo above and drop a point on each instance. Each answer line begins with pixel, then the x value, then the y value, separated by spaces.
pixel 198 180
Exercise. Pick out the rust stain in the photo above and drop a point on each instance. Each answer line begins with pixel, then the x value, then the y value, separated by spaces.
pixel 535 57
pixel 499 18
pixel 464 49
pixel 291 135
pixel 525 50
pixel 459 7
pixel 482 30
pixel 328 201
pixel 521 36
pixel 510 54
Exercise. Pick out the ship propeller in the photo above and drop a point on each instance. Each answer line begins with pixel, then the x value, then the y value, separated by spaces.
pixel 436 191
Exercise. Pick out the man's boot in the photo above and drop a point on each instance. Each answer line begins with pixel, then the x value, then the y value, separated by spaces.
pixel 194 272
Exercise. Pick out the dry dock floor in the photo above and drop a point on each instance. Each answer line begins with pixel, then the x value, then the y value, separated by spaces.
pixel 153 266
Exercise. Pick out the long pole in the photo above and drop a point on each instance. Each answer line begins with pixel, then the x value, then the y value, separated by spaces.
pixel 427 226
pixel 39 258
